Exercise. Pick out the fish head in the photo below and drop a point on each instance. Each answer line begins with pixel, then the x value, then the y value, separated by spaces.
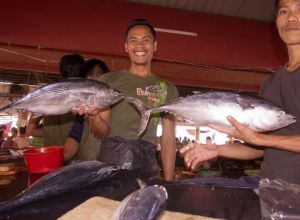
pixel 270 119
pixel 116 95
pixel 146 203
pixel 109 96
pixel 283 119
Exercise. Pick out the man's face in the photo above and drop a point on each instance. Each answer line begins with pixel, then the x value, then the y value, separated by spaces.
pixel 288 21
pixel 140 45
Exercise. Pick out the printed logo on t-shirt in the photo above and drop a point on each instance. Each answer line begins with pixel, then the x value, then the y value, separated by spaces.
pixel 156 95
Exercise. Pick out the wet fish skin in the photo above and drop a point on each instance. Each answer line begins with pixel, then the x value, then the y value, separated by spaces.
pixel 213 107
pixel 58 98
pixel 146 203
pixel 71 177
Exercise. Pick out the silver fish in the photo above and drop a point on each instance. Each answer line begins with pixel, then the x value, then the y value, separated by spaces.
pixel 58 98
pixel 213 107
pixel 146 203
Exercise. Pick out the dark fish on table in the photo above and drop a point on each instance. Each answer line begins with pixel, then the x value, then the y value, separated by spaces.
pixel 146 203
pixel 58 98
pixel 213 107
pixel 69 178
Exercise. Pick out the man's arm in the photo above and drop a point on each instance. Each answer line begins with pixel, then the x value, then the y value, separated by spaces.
pixel 32 128
pixel 100 123
pixel 99 119
pixel 196 154
pixel 71 147
pixel 168 146
pixel 242 132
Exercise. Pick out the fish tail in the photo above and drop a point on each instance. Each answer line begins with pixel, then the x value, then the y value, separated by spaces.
pixel 145 113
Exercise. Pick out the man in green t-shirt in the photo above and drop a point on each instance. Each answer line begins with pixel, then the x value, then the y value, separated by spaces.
pixel 139 82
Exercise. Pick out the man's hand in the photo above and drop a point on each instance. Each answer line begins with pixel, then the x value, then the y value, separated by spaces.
pixel 195 154
pixel 88 111
pixel 239 131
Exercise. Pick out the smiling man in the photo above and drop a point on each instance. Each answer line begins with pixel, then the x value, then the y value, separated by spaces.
pixel 280 149
pixel 139 82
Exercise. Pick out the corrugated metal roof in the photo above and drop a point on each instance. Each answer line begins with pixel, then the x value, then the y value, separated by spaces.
pixel 260 10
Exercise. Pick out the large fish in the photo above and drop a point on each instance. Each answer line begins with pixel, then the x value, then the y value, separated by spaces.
pixel 213 108
pixel 59 191
pixel 146 203
pixel 69 178
pixel 58 98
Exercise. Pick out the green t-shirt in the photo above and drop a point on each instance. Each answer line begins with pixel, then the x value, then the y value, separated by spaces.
pixel 37 141
pixel 151 90
pixel 56 129
pixel 89 146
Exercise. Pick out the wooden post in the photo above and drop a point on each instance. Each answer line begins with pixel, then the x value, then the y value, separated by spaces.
pixel 197 134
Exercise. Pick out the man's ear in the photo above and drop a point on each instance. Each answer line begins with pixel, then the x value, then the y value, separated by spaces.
pixel 126 47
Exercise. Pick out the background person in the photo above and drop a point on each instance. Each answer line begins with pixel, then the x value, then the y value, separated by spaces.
pixel 80 139
pixel 22 140
pixel 10 141
pixel 56 128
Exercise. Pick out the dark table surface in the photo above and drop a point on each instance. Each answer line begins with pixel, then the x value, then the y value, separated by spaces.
pixel 218 202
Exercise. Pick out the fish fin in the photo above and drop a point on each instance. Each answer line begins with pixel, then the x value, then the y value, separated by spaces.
pixel 197 92
pixel 36 115
pixel 141 183
pixel 244 103
pixel 145 113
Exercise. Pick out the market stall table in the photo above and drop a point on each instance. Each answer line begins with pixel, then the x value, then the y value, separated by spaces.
pixel 217 202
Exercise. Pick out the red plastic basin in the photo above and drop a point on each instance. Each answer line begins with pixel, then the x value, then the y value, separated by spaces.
pixel 43 159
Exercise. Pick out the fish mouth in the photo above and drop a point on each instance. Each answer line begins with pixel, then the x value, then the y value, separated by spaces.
pixel 163 189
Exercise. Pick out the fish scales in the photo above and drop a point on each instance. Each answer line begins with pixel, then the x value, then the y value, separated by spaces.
pixel 213 107
pixel 59 98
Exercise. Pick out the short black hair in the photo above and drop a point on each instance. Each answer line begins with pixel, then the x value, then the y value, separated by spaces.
pixel 276 5
pixel 140 21
pixel 70 65
pixel 14 129
pixel 89 65
pixel 3 127
pixel 22 130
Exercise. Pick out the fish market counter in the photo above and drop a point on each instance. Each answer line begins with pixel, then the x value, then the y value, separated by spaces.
pixel 216 202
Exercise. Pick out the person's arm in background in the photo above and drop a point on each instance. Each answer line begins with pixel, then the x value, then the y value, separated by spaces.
pixel 195 154
pixel 99 119
pixel 72 142
pixel 71 147
pixel 99 122
pixel 33 128
pixel 168 146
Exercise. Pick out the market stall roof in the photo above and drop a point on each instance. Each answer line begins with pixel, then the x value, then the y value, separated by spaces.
pixel 195 49
pixel 259 10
